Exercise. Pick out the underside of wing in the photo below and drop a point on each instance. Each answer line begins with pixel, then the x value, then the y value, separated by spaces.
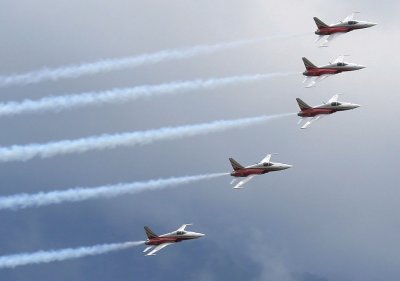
pixel 330 38
pixel 310 121
pixel 314 80
pixel 243 182
pixel 158 248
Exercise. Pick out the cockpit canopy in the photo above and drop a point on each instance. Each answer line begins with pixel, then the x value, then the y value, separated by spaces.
pixel 341 64
pixel 352 22
pixel 180 232
pixel 335 103
pixel 267 164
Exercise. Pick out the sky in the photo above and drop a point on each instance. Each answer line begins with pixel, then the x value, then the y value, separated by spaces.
pixel 333 216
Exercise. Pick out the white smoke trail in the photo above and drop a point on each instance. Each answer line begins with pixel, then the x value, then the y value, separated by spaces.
pixel 22 201
pixel 60 103
pixel 12 261
pixel 107 65
pixel 51 149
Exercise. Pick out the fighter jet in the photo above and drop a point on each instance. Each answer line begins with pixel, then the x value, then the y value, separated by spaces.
pixel 319 111
pixel 263 167
pixel 318 73
pixel 333 31
pixel 159 242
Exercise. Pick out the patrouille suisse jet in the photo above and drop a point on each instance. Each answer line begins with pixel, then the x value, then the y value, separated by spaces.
pixel 158 242
pixel 317 112
pixel 318 73
pixel 333 31
pixel 265 166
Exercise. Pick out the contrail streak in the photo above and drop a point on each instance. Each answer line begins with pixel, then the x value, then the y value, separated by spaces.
pixel 51 149
pixel 12 261
pixel 60 103
pixel 22 201
pixel 107 65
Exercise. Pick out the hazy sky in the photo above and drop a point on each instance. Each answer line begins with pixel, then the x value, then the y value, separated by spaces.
pixel 333 216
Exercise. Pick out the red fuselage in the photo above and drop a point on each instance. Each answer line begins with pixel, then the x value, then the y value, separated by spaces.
pixel 248 172
pixel 332 30
pixel 315 111
pixel 162 240
pixel 322 71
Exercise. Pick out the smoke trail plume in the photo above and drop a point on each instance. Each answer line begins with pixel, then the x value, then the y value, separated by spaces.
pixel 22 201
pixel 12 261
pixel 107 65
pixel 51 149
pixel 60 103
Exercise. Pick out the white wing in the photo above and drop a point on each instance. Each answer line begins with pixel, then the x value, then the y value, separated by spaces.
pixel 330 38
pixel 350 17
pixel 314 80
pixel 333 99
pixel 339 59
pixel 310 121
pixel 158 248
pixel 266 159
pixel 182 228
pixel 242 182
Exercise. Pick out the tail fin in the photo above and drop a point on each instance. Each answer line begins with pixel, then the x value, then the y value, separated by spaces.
pixel 150 234
pixel 302 104
pixel 320 24
pixel 235 165
pixel 308 64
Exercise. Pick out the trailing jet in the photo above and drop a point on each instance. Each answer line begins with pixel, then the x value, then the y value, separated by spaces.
pixel 263 167
pixel 318 73
pixel 158 242
pixel 317 112
pixel 333 31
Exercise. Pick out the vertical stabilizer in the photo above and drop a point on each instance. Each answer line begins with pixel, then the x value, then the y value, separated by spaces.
pixel 320 24
pixel 235 165
pixel 150 234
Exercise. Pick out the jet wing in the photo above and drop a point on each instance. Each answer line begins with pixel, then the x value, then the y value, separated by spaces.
pixel 243 182
pixel 330 38
pixel 310 121
pixel 314 81
pixel 333 99
pixel 339 59
pixel 182 228
pixel 158 248
pixel 350 17
pixel 266 159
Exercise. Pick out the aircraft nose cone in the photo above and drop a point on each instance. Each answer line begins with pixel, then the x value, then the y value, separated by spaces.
pixel 201 234
pixel 356 105
pixel 286 166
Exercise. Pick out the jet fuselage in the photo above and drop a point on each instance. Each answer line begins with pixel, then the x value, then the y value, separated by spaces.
pixel 173 237
pixel 344 27
pixel 331 69
pixel 326 109
pixel 259 169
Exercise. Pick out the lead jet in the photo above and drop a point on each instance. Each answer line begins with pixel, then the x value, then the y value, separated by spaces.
pixel 330 32
pixel 315 74
pixel 158 242
pixel 263 167
pixel 317 112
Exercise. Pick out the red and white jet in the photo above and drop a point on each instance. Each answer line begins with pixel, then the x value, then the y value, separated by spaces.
pixel 263 167
pixel 158 242
pixel 317 112
pixel 316 74
pixel 333 31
